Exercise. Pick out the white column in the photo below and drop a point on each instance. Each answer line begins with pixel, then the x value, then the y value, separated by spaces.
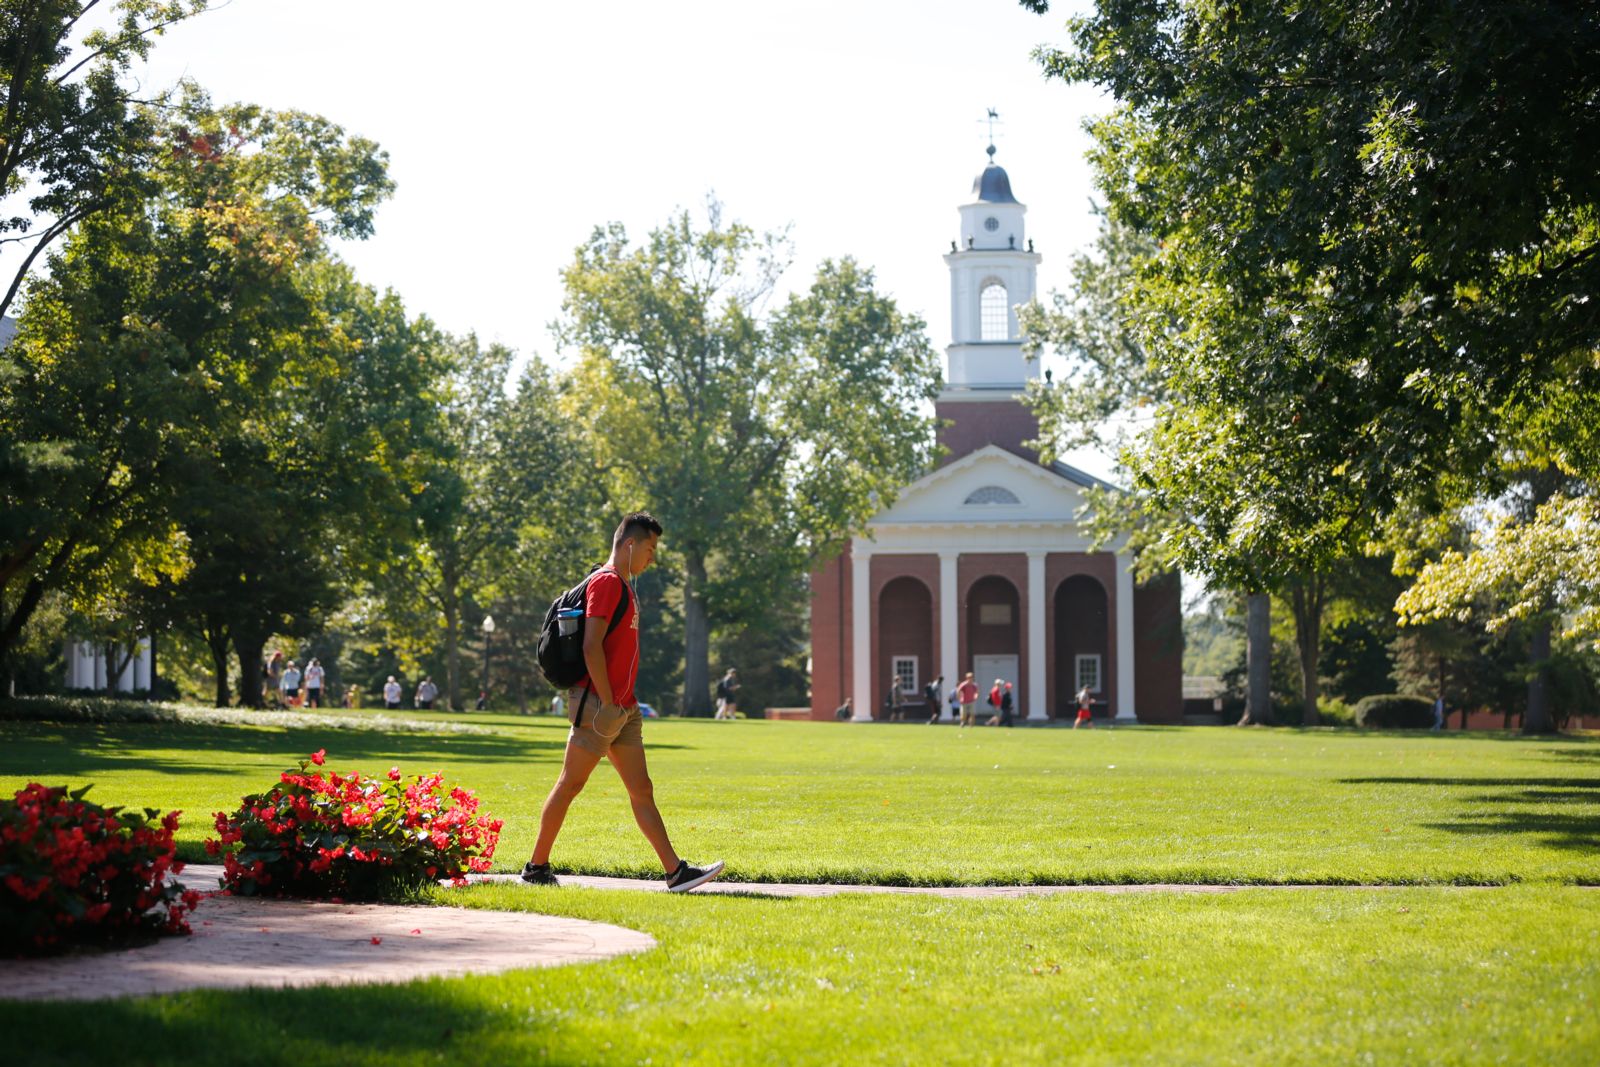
pixel 1125 702
pixel 1036 691
pixel 861 628
pixel 141 665
pixel 949 614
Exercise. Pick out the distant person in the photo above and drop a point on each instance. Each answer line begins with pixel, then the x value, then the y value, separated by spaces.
pixel 482 701
pixel 391 693
pixel 426 692
pixel 933 693
pixel 1085 716
pixel 352 696
pixel 728 695
pixel 606 720
pixel 968 692
pixel 1004 717
pixel 843 712
pixel 994 697
pixel 274 677
pixel 314 678
pixel 891 703
pixel 1438 713
pixel 290 686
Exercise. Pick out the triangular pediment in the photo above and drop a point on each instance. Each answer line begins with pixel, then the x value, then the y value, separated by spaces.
pixel 990 485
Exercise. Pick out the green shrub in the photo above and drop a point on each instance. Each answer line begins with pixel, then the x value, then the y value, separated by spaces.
pixel 1335 712
pixel 1392 711
pixel 122 710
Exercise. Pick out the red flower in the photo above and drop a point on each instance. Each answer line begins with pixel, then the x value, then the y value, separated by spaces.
pixel 377 941
pixel 319 757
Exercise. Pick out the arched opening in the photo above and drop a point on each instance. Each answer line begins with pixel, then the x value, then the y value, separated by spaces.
pixel 905 645
pixel 994 312
pixel 1082 652
pixel 994 634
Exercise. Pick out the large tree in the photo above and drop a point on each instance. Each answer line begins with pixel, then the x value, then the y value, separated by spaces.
pixel 1380 226
pixel 763 443
pixel 166 323
pixel 69 131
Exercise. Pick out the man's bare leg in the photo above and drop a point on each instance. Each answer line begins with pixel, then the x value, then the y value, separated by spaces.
pixel 629 760
pixel 576 767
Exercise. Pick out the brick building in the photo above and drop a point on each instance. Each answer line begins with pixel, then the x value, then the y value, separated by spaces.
pixel 980 565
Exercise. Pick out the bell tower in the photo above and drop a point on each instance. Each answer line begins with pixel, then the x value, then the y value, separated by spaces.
pixel 993 269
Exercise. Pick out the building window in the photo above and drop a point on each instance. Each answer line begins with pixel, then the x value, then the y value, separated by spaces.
pixel 991 494
pixel 905 672
pixel 994 313
pixel 1087 670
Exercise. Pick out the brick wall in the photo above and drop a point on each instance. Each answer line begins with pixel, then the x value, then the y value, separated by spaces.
pixel 1158 649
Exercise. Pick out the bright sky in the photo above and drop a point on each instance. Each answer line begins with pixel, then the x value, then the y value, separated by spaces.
pixel 515 128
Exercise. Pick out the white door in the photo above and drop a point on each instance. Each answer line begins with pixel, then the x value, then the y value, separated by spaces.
pixel 985 669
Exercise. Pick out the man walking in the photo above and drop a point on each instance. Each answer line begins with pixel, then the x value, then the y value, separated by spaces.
pixel 605 714
pixel 968 692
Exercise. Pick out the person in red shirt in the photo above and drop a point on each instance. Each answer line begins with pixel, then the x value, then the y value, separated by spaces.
pixel 967 693
pixel 604 712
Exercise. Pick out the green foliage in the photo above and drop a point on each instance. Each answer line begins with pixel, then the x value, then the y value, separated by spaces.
pixel 761 444
pixel 1213 638
pixel 70 133
pixel 1519 571
pixel 1356 659
pixel 1377 230
pixel 172 389
pixel 1391 711
pixel 1334 712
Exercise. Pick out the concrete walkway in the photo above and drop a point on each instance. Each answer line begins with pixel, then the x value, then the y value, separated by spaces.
pixel 242 943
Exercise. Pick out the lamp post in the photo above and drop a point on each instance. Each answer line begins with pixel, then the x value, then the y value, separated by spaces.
pixel 488 634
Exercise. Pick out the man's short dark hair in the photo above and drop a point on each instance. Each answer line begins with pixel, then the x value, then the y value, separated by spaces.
pixel 635 524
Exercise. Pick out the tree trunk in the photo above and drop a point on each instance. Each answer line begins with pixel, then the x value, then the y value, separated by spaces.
pixel 696 637
pixel 1258 660
pixel 452 650
pixel 1307 597
pixel 249 650
pixel 217 642
pixel 116 664
pixel 1537 719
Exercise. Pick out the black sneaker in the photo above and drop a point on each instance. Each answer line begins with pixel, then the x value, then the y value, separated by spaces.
pixel 686 877
pixel 538 874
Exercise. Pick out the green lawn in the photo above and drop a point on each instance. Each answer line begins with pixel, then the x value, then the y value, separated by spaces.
pixel 918 804
pixel 1390 976
pixel 1430 973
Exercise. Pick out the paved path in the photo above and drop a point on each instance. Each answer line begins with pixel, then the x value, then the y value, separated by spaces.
pixel 239 942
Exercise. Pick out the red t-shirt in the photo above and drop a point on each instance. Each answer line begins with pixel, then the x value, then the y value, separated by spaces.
pixel 622 647
pixel 968 692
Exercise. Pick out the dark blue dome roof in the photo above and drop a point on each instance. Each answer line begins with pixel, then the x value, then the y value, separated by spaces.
pixel 993 186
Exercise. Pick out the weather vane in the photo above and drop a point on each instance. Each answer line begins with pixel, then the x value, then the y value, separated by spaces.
pixel 993 120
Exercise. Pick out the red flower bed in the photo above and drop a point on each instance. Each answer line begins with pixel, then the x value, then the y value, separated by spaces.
pixel 351 836
pixel 74 871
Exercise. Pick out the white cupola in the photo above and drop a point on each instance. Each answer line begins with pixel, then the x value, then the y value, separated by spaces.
pixel 992 269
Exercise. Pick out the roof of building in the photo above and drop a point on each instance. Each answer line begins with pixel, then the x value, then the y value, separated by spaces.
pixel 1079 477
pixel 993 186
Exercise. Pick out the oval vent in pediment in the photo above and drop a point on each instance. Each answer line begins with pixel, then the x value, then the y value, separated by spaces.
pixel 992 494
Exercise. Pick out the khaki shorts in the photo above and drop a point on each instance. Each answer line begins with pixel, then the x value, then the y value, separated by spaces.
pixel 599 729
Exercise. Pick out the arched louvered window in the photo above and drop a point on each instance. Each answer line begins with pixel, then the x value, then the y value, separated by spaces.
pixel 994 313
pixel 992 494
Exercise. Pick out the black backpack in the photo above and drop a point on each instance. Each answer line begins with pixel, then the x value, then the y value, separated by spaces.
pixel 561 655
